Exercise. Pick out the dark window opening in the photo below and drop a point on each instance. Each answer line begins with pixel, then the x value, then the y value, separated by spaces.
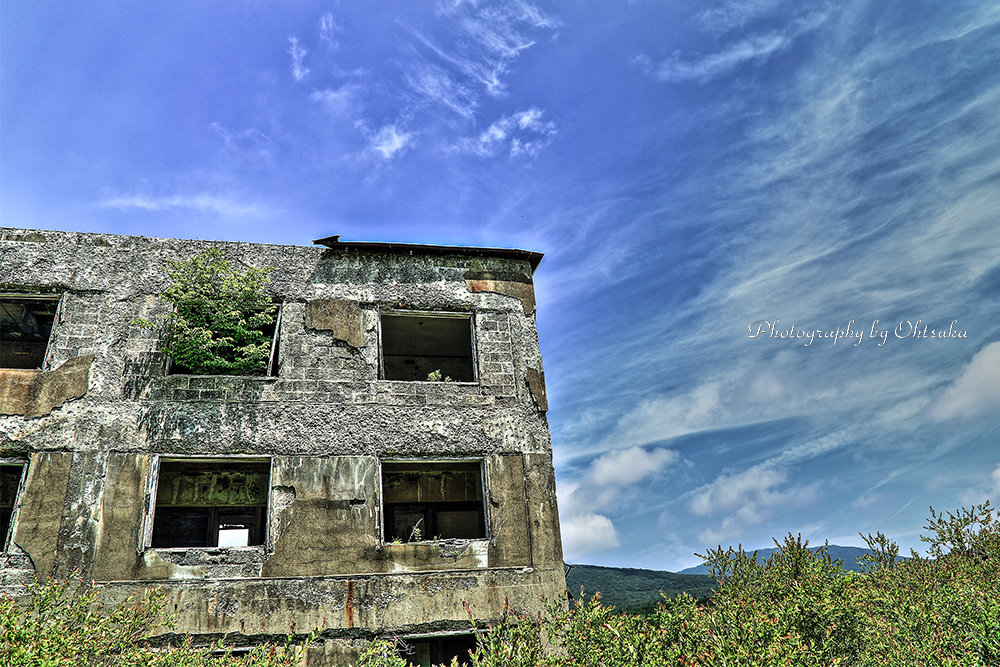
pixel 427 651
pixel 25 328
pixel 211 504
pixel 428 501
pixel 10 482
pixel 241 652
pixel 416 346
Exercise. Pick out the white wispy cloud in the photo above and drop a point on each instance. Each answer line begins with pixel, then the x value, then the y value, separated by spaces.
pixel 437 85
pixel 450 64
pixel 522 133
pixel 250 142
pixel 343 100
pixel 733 397
pixel 801 169
pixel 388 141
pixel 754 47
pixel 734 14
pixel 976 391
pixel 676 69
pixel 328 30
pixel 869 500
pixel 496 33
pixel 864 188
pixel 484 39
pixel 298 53
pixel 222 205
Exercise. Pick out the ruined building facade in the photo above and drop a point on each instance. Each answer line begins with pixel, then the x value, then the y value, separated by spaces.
pixel 338 489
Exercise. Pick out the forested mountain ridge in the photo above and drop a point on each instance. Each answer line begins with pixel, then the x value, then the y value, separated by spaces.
pixel 630 589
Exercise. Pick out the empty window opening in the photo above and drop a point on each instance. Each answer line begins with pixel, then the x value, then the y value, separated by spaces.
pixel 25 329
pixel 10 482
pixel 428 501
pixel 427 651
pixel 415 346
pixel 217 503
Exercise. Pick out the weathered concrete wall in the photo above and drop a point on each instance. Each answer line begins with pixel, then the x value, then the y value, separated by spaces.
pixel 324 422
pixel 331 517
pixel 33 393
pixel 346 607
pixel 37 528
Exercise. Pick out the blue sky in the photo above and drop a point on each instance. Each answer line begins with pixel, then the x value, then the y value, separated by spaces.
pixel 688 168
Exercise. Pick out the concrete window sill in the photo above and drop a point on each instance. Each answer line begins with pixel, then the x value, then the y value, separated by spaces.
pixel 203 562
pixel 431 383
pixel 206 555
pixel 439 554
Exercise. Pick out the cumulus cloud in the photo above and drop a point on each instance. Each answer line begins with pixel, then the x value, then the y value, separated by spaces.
pixel 731 527
pixel 299 71
pixel 588 533
pixel 607 485
pixel 977 496
pixel 755 486
pixel 747 498
pixel 624 467
pixel 523 133
pixel 976 392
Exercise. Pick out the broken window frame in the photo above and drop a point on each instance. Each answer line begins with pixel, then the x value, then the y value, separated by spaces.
pixel 434 656
pixel 428 536
pixel 273 361
pixel 469 316
pixel 6 536
pixel 152 486
pixel 58 297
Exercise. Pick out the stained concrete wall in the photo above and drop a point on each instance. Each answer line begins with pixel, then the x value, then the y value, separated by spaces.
pixel 325 421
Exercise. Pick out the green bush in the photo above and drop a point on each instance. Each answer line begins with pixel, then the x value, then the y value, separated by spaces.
pixel 64 623
pixel 798 608
pixel 220 317
pixel 803 608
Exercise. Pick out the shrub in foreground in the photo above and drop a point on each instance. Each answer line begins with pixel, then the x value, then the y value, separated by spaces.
pixel 64 623
pixel 800 608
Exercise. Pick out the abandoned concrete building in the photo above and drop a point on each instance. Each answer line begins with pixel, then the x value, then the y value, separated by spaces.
pixel 346 486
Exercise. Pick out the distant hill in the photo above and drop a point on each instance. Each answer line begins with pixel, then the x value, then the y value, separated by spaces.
pixel 630 589
pixel 849 555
